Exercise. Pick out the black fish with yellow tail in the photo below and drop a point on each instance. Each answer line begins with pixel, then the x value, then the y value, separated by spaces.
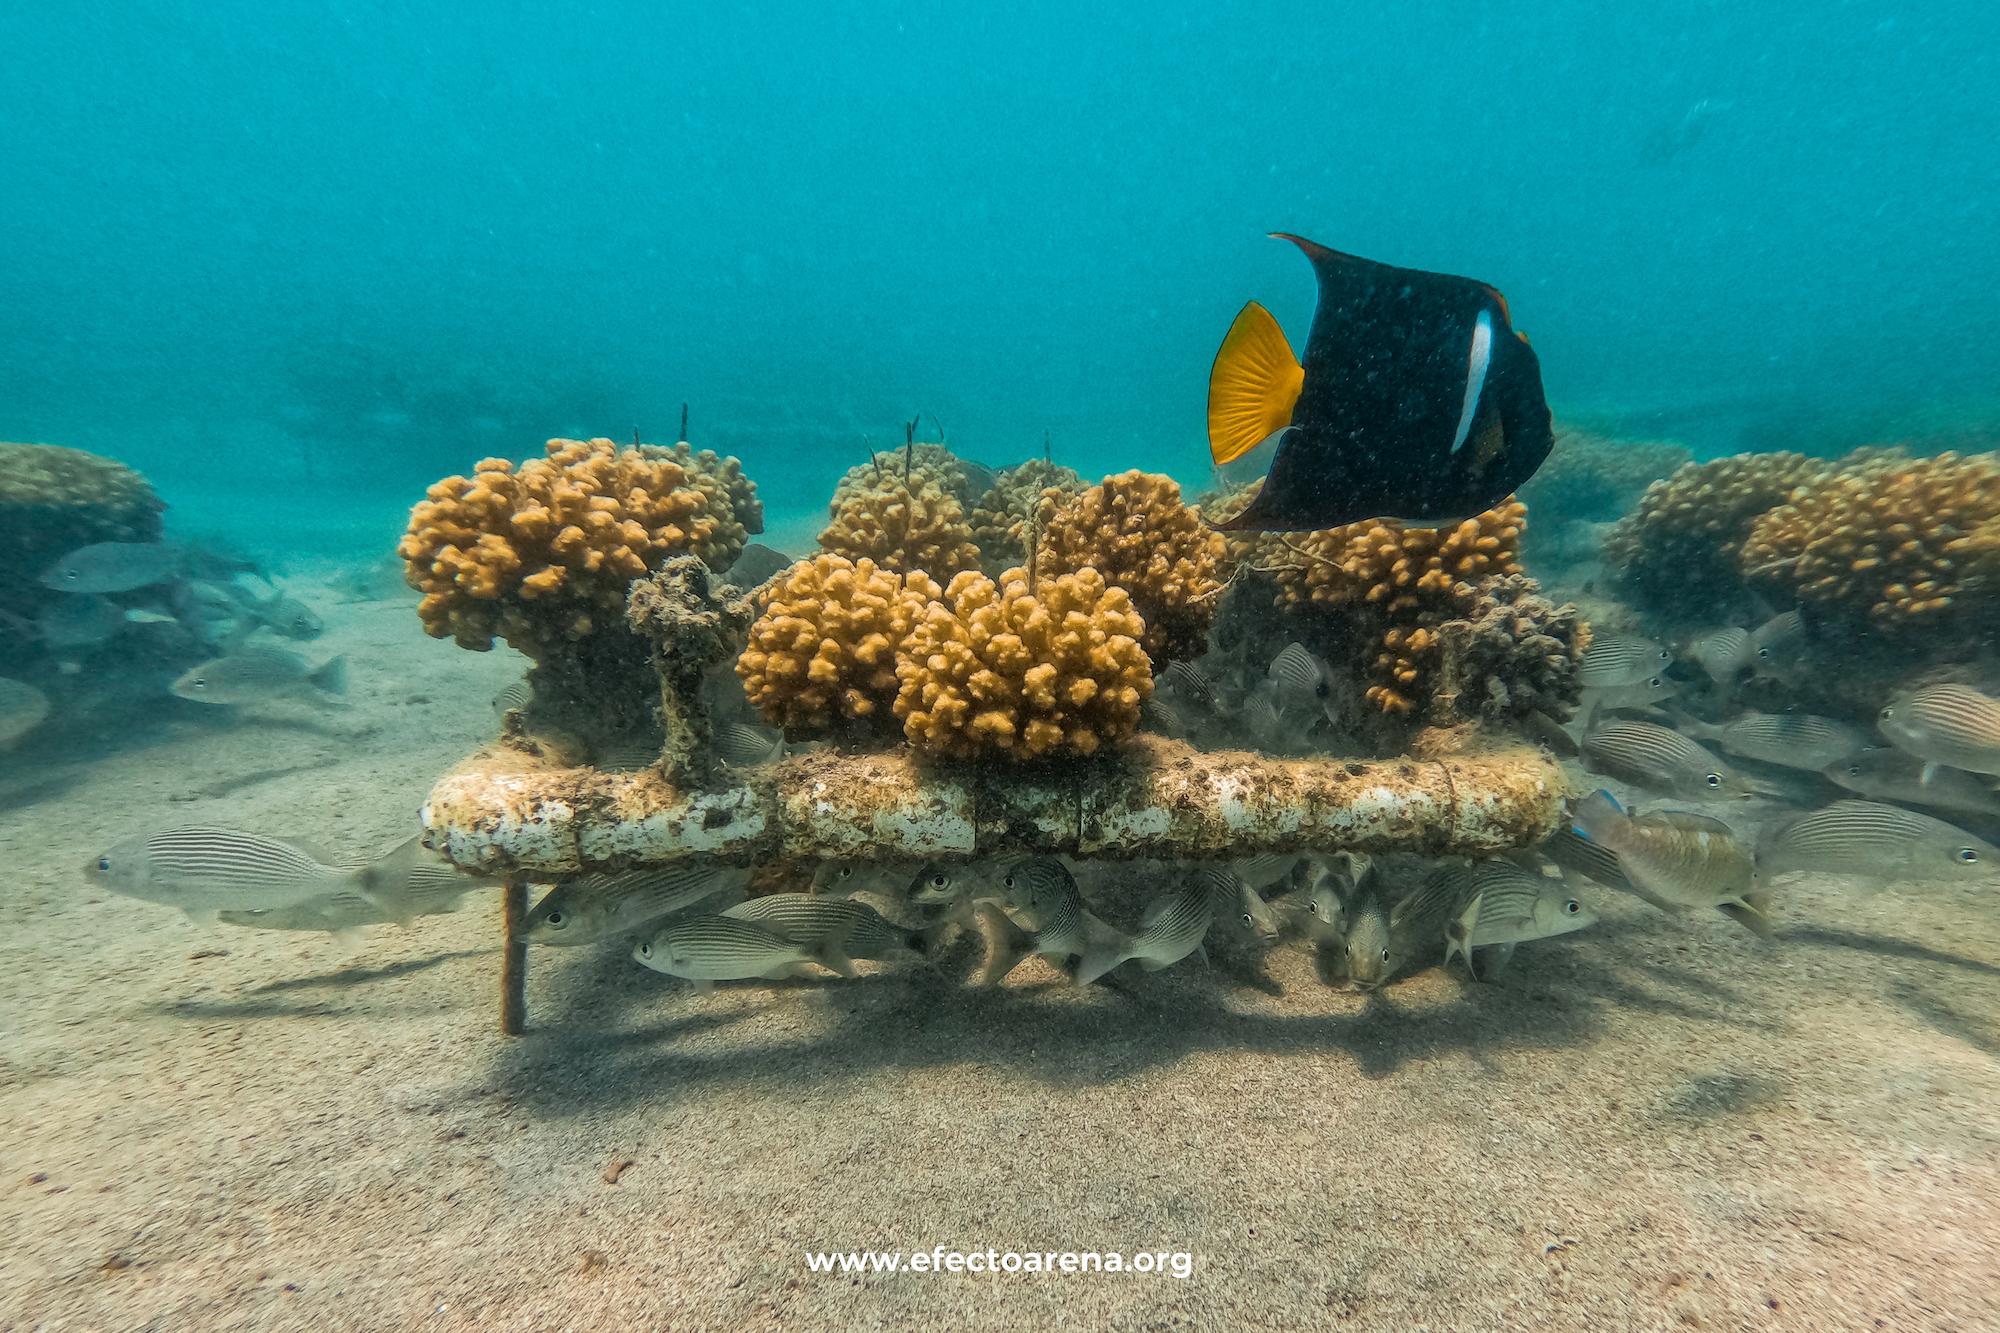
pixel 1417 400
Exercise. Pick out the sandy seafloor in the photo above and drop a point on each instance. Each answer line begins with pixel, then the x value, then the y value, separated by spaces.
pixel 1658 1124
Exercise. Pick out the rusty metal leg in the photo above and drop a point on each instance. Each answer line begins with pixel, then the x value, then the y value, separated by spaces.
pixel 513 958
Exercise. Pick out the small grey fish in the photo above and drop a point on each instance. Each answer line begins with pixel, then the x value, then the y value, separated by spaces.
pixel 430 885
pixel 1790 740
pixel 114 567
pixel 1654 757
pixel 704 949
pixel 1775 644
pixel 1254 916
pixel 936 885
pixel 205 870
pixel 1174 927
pixel 1323 907
pixel 22 709
pixel 1880 842
pixel 259 675
pixel 1654 689
pixel 1192 683
pixel 757 564
pixel 842 879
pixel 1302 680
pixel 1679 861
pixel 1620 659
pixel 1044 896
pixel 1157 715
pixel 833 931
pixel 596 906
pixel 1261 872
pixel 287 615
pixel 742 746
pixel 1952 726
pixel 1574 853
pixel 1886 773
pixel 80 621
pixel 1723 653
pixel 631 754
pixel 517 697
pixel 1510 905
pixel 1262 724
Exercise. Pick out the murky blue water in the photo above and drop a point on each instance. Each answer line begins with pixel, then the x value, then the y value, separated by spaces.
pixel 354 248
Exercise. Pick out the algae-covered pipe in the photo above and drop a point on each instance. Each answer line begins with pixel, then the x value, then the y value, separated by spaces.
pixel 503 811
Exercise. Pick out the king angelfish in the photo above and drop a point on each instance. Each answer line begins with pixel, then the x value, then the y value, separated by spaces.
pixel 1416 400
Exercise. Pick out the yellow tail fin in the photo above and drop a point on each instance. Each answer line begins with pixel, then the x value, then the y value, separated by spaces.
pixel 1253 385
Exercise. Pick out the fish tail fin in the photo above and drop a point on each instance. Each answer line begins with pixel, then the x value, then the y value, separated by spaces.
pixel 1597 814
pixel 832 955
pixel 1753 913
pixel 1253 385
pixel 1005 944
pixel 330 678
pixel 1100 957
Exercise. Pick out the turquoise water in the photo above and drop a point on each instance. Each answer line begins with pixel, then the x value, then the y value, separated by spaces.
pixel 357 246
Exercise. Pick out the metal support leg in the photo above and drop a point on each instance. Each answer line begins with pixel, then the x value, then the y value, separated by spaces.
pixel 514 958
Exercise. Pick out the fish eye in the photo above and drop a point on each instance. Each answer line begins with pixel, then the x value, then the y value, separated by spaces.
pixel 940 881
pixel 1249 920
pixel 199 682
pixel 1854 770
pixel 1572 907
pixel 1887 713
pixel 1385 955
pixel 1968 856
pixel 1764 652
pixel 1655 683
pixel 1713 780
pixel 1007 883
pixel 104 863
pixel 645 951
pixel 555 919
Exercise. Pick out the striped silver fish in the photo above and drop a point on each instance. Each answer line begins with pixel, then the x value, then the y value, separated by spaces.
pixel 1954 726
pixel 844 878
pixel 1173 928
pixel 205 870
pixel 1256 918
pixel 1620 659
pixel 833 931
pixel 1263 727
pixel 1506 904
pixel 1654 757
pixel 1301 679
pixel 1323 907
pixel 517 697
pixel 1775 645
pixel 1575 854
pixel 1157 715
pixel 1679 861
pixel 1191 683
pixel 593 907
pixel 1263 871
pixel 1886 773
pixel 1883 842
pixel 742 746
pixel 1654 689
pixel 702 949
pixel 1790 740
pixel 1044 895
pixel 22 709
pixel 1382 940
pixel 1722 653
pixel 428 885
pixel 631 755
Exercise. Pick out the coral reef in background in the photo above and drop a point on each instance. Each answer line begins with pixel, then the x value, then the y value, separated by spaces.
pixel 1588 476
pixel 1000 517
pixel 906 528
pixel 1133 529
pixel 1679 552
pixel 1885 542
pixel 541 554
pixel 1026 673
pixel 823 650
pixel 53 500
pixel 1392 588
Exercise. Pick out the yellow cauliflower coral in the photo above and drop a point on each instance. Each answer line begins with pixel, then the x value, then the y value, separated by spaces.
pixel 1886 541
pixel 541 553
pixel 824 648
pixel 997 669
pixel 1134 530
pixel 903 528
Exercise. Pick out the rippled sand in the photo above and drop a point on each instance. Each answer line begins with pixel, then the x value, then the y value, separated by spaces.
pixel 1649 1126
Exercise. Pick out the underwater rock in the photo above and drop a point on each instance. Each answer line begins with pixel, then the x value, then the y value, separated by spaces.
pixel 54 500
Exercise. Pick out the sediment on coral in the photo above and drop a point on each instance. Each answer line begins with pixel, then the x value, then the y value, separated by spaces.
pixel 1022 669
pixel 1133 530
pixel 822 651
pixel 1889 543
pixel 690 622
pixel 54 500
pixel 1513 652
pixel 1679 552
pixel 1001 517
pixel 906 528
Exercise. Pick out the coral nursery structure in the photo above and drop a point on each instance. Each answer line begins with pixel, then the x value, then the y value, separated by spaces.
pixel 53 500
pixel 1020 495
pixel 1133 530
